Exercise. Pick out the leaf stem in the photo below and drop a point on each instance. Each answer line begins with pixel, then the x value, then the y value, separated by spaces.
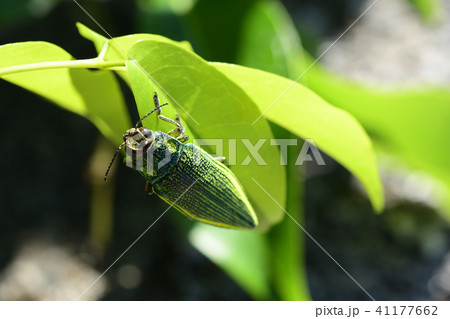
pixel 75 64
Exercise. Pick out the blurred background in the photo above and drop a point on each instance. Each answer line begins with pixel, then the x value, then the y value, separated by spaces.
pixel 61 226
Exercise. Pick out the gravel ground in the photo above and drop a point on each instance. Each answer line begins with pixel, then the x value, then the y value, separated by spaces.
pixel 392 44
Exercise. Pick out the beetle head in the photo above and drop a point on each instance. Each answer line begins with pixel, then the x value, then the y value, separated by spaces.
pixel 138 139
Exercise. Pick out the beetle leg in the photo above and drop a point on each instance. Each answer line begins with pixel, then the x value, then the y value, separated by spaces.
pixel 148 188
pixel 177 132
pixel 156 102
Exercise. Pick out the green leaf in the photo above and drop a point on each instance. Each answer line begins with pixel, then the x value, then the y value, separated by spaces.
pixel 120 46
pixel 305 114
pixel 241 254
pixel 213 107
pixel 97 39
pixel 94 95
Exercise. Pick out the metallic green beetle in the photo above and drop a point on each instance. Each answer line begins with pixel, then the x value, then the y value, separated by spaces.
pixel 185 176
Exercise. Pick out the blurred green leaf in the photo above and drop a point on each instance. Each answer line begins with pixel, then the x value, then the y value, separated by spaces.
pixel 242 254
pixel 92 94
pixel 16 13
pixel 307 115
pixel 412 124
pixel 215 108
pixel 167 6
pixel 431 10
pixel 215 26
pixel 270 41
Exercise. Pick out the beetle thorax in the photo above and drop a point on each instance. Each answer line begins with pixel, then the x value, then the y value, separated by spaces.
pixel 138 139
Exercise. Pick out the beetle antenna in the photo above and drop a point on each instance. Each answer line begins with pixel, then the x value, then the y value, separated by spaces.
pixel 148 114
pixel 112 161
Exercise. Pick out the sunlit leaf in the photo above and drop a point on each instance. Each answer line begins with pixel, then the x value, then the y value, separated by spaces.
pixel 304 113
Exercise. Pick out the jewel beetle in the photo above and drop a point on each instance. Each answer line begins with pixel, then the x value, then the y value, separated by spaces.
pixel 198 185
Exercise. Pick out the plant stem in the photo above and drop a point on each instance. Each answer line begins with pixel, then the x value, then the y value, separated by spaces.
pixel 75 64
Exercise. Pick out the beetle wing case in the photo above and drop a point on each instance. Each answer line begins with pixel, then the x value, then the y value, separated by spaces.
pixel 214 195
